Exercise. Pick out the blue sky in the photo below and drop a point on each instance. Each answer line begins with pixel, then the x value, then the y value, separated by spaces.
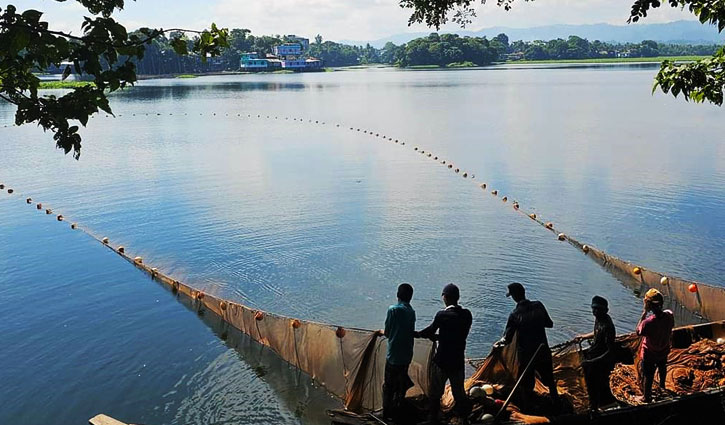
pixel 338 19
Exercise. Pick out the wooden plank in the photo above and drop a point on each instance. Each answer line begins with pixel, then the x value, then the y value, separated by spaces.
pixel 104 420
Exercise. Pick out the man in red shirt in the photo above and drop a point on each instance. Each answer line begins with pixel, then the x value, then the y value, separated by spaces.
pixel 656 332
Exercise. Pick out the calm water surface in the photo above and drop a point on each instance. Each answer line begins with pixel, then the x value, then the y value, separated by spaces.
pixel 322 223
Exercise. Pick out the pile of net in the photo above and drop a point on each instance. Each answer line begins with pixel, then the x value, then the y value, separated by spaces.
pixel 699 367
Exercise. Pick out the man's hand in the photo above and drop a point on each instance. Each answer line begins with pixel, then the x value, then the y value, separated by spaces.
pixel 500 343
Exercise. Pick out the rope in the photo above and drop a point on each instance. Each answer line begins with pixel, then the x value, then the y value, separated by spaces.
pixel 465 174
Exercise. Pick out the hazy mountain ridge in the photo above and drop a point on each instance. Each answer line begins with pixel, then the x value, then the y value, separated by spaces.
pixel 685 32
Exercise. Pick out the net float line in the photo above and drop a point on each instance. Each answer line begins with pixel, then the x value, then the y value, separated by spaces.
pixel 690 294
pixel 348 362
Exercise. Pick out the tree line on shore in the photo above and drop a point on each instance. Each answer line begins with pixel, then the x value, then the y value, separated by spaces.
pixel 434 49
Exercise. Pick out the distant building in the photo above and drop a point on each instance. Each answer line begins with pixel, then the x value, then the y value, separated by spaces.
pixel 252 62
pixel 288 56
pixel 294 64
pixel 313 63
pixel 288 49
pixel 303 42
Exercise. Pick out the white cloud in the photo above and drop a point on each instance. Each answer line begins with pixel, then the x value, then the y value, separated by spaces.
pixel 340 19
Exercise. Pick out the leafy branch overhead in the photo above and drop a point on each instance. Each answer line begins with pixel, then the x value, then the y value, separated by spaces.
pixel 104 53
pixel 699 81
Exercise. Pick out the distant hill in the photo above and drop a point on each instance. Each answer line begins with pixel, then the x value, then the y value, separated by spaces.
pixel 677 32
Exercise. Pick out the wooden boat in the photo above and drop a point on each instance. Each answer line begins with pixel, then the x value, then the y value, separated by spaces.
pixel 701 407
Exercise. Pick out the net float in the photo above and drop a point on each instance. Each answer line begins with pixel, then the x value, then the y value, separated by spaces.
pixel 10 191
pixel 105 241
pixel 692 288
pixel 585 248
pixel 494 192
pixel 199 295
pixel 73 226
pixel 637 270
pixel 138 260
pixel 223 306
pixel 258 315
pixel 664 280
pixel 340 332
pixel 465 175
pixel 29 201
pixel 561 236
pixel 48 211
pixel 60 217
pixel 532 216
pixel 458 170
pixel 296 324
pixel 121 249
pixel 39 206
pixel 505 198
pixel 549 225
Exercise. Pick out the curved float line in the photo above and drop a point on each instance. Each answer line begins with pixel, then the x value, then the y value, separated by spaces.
pixel 643 275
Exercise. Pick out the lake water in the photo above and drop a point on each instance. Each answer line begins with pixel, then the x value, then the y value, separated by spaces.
pixel 320 222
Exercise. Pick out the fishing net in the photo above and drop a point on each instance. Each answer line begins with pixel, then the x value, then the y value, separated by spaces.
pixel 349 363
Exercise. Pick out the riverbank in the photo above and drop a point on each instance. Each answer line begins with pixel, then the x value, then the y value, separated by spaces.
pixel 612 60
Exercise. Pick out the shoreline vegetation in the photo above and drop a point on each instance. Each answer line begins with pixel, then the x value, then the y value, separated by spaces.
pixel 65 85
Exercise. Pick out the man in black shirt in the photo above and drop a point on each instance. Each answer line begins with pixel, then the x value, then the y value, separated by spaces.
pixel 600 356
pixel 452 324
pixel 529 320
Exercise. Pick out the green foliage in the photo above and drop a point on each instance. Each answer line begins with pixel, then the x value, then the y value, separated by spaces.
pixel 105 53
pixel 44 85
pixel 700 81
pixel 445 49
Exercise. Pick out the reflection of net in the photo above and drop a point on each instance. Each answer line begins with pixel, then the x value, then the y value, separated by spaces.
pixel 349 363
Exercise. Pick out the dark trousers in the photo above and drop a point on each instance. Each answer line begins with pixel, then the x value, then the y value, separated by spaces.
pixel 597 379
pixel 541 365
pixel 648 367
pixel 438 378
pixel 395 386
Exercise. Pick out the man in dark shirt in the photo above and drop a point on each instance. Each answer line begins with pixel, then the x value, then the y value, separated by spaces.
pixel 600 356
pixel 529 320
pixel 399 329
pixel 452 324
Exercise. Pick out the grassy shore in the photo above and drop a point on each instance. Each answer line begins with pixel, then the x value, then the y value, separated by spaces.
pixel 186 76
pixel 64 84
pixel 612 60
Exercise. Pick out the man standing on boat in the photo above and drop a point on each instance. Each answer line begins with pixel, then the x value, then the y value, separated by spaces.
pixel 529 321
pixel 656 332
pixel 452 325
pixel 399 329
pixel 599 360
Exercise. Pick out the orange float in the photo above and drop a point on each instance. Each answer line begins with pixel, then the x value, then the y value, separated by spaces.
pixel 692 288
pixel 258 315
pixel 223 305
pixel 549 225
pixel 637 271
pixel 296 324
pixel 340 332
pixel 532 216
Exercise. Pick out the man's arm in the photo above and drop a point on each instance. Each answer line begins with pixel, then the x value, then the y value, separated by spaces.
pixel 509 332
pixel 609 339
pixel 389 320
pixel 548 323
pixel 430 331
